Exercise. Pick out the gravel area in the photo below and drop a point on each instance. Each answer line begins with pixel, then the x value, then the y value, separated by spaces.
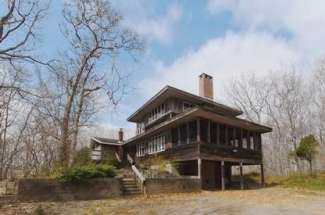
pixel 266 201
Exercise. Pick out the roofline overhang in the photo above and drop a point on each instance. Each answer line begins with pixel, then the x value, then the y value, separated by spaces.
pixel 96 140
pixel 132 117
pixel 203 113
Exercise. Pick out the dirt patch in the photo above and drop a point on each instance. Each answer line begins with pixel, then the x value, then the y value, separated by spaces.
pixel 263 201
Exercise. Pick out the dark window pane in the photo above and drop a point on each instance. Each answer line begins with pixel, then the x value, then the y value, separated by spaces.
pixel 230 136
pixel 174 136
pixel 222 134
pixel 204 130
pixel 213 132
pixel 183 131
pixel 193 131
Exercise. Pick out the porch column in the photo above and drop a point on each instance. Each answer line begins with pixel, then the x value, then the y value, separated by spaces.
pixel 198 129
pixel 222 175
pixel 241 176
pixel 262 175
pixel 199 163
pixel 209 131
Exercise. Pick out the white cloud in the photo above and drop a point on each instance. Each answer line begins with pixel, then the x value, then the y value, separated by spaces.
pixel 271 34
pixel 141 16
pixel 304 20
pixel 224 58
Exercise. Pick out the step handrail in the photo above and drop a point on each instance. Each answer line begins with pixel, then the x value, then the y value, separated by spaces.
pixel 138 174
pixel 139 177
pixel 118 157
pixel 130 159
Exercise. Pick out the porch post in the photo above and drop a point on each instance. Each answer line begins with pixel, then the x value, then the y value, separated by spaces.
pixel 222 175
pixel 199 163
pixel 241 176
pixel 262 175
pixel 198 136
pixel 209 131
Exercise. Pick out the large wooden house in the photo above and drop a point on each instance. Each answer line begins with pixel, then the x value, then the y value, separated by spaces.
pixel 204 137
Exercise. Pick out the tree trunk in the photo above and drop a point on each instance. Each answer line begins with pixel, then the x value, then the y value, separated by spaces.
pixel 311 167
pixel 65 140
pixel 77 124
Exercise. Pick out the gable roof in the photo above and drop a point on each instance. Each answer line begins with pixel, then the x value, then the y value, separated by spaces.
pixel 169 91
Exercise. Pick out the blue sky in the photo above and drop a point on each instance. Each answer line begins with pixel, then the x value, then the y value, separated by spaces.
pixel 224 38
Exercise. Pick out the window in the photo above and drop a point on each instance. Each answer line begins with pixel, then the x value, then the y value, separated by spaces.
pixel 140 128
pixel 252 142
pixel 222 129
pixel 175 135
pixel 187 106
pixel 204 130
pixel 214 132
pixel 245 142
pixel 156 113
pixel 230 141
pixel 238 137
pixel 192 131
pixel 183 133
pixel 141 149
pixel 156 144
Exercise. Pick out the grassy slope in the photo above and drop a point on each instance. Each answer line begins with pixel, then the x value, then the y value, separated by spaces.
pixel 316 183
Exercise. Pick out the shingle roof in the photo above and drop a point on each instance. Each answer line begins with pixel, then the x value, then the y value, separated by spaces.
pixel 105 141
pixel 169 91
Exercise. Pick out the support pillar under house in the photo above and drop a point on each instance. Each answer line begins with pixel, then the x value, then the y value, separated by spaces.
pixel 262 175
pixel 241 176
pixel 222 175
pixel 199 165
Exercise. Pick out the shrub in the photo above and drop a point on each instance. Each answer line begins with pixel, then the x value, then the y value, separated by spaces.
pixel 307 149
pixel 78 174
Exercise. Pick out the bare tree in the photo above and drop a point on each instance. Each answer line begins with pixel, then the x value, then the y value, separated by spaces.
pixel 279 100
pixel 18 28
pixel 95 35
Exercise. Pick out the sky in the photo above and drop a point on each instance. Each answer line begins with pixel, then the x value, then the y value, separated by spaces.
pixel 226 39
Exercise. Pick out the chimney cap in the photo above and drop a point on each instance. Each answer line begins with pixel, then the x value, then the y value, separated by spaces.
pixel 204 75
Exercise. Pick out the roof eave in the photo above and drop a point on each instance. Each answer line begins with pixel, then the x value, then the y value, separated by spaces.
pixel 234 111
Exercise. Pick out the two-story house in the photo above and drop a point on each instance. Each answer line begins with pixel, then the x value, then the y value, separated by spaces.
pixel 204 137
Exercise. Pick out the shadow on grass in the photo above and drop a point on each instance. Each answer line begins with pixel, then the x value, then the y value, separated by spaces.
pixel 252 181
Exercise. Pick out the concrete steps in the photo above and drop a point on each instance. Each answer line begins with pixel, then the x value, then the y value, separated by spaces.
pixel 130 186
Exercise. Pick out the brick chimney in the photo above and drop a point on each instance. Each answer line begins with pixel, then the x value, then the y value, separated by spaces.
pixel 120 135
pixel 206 86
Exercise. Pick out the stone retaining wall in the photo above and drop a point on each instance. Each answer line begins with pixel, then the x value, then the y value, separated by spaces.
pixel 172 185
pixel 51 190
